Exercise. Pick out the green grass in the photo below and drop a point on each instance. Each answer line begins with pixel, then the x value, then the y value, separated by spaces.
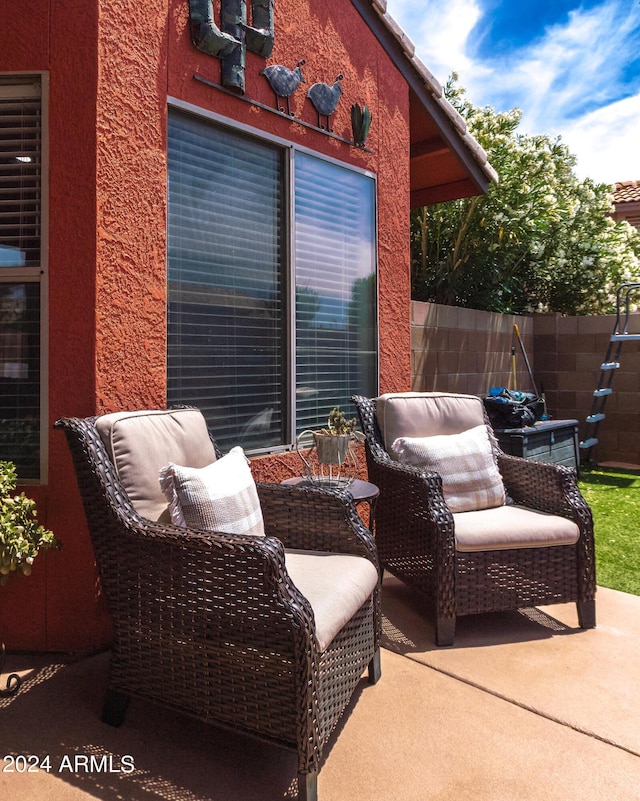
pixel 614 498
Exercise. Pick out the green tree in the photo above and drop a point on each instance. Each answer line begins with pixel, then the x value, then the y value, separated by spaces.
pixel 539 240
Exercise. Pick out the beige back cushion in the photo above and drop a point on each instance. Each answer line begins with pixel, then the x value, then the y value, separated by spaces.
pixel 141 443
pixel 426 414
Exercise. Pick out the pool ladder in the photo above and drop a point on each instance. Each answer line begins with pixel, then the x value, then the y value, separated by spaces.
pixel 608 367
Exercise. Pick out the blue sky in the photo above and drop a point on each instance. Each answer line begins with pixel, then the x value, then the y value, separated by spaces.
pixel 572 67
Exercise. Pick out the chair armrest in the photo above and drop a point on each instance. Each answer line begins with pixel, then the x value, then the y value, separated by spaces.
pixel 205 578
pixel 544 486
pixel 409 486
pixel 411 514
pixel 315 519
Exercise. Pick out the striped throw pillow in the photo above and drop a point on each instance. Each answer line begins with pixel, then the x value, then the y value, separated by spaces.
pixel 470 476
pixel 219 497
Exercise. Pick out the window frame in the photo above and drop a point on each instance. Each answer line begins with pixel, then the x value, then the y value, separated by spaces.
pixel 290 149
pixel 38 274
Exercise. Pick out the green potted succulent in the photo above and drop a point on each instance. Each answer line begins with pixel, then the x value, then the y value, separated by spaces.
pixel 21 536
pixel 333 442
pixel 331 459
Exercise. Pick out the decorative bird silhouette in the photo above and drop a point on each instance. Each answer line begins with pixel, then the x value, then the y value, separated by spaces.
pixel 284 81
pixel 325 99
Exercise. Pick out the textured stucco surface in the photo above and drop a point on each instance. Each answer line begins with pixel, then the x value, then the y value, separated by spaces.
pixel 131 205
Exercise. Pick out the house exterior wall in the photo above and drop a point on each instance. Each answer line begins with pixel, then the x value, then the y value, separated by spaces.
pixel 112 66
pixel 463 350
pixel 626 202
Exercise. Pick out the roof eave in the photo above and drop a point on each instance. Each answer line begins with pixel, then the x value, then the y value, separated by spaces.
pixel 427 91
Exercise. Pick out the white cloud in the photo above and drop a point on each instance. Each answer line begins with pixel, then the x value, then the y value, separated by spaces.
pixel 576 66
pixel 606 142
pixel 567 81
pixel 440 31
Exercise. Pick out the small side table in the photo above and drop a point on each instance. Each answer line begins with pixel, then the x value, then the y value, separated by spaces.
pixel 361 491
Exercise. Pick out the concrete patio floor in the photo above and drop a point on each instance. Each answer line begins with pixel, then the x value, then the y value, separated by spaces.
pixel 525 707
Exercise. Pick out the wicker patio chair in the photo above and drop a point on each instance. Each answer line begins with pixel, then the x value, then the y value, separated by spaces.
pixel 258 634
pixel 475 561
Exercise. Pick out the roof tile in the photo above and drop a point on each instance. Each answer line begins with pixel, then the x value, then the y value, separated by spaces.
pixel 626 192
pixel 435 88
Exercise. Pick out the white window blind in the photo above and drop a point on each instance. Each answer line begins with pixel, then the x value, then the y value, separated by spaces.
pixel 20 270
pixel 335 272
pixel 226 336
pixel 20 171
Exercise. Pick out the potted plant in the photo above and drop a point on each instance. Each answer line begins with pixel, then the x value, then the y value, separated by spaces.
pixel 331 459
pixel 21 536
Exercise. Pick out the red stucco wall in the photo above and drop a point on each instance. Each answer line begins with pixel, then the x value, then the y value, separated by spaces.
pixel 56 606
pixel 111 68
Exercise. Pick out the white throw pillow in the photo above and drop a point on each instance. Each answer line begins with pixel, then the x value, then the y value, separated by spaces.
pixel 219 497
pixel 470 476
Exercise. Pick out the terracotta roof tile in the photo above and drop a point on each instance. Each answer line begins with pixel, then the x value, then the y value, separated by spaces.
pixel 626 192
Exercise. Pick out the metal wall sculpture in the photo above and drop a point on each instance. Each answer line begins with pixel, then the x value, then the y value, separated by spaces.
pixel 284 81
pixel 324 98
pixel 360 124
pixel 234 37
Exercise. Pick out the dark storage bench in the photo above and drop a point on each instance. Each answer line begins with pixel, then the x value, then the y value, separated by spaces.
pixel 549 441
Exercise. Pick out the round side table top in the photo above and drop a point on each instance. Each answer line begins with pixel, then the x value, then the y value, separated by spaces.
pixel 360 490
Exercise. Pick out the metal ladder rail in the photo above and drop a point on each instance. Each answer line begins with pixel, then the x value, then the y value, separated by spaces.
pixel 610 364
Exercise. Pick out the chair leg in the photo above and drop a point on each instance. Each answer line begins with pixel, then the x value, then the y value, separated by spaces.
pixel 375 671
pixel 587 614
pixel 308 786
pixel 114 708
pixel 445 631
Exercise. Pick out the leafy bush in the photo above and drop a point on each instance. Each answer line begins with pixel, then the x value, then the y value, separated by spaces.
pixel 540 240
pixel 21 536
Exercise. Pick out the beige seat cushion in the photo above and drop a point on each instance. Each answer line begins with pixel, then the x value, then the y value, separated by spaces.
pixel 141 443
pixel 335 584
pixel 511 526
pixel 426 414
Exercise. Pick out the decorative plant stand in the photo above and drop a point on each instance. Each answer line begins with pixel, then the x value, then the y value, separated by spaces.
pixel 331 458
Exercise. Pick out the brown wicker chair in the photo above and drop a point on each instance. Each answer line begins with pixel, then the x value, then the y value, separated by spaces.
pixel 416 531
pixel 211 624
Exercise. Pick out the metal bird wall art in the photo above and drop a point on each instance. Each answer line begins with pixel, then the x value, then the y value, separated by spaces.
pixel 284 81
pixel 325 100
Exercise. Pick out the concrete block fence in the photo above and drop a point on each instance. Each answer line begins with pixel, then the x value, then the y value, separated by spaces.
pixel 465 350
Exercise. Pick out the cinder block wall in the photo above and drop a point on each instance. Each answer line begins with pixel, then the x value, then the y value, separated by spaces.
pixel 568 354
pixel 464 350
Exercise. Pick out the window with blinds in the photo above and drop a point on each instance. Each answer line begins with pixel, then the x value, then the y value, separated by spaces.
pixel 335 280
pixel 265 337
pixel 20 272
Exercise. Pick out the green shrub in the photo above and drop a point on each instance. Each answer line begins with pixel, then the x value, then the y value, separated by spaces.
pixel 21 536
